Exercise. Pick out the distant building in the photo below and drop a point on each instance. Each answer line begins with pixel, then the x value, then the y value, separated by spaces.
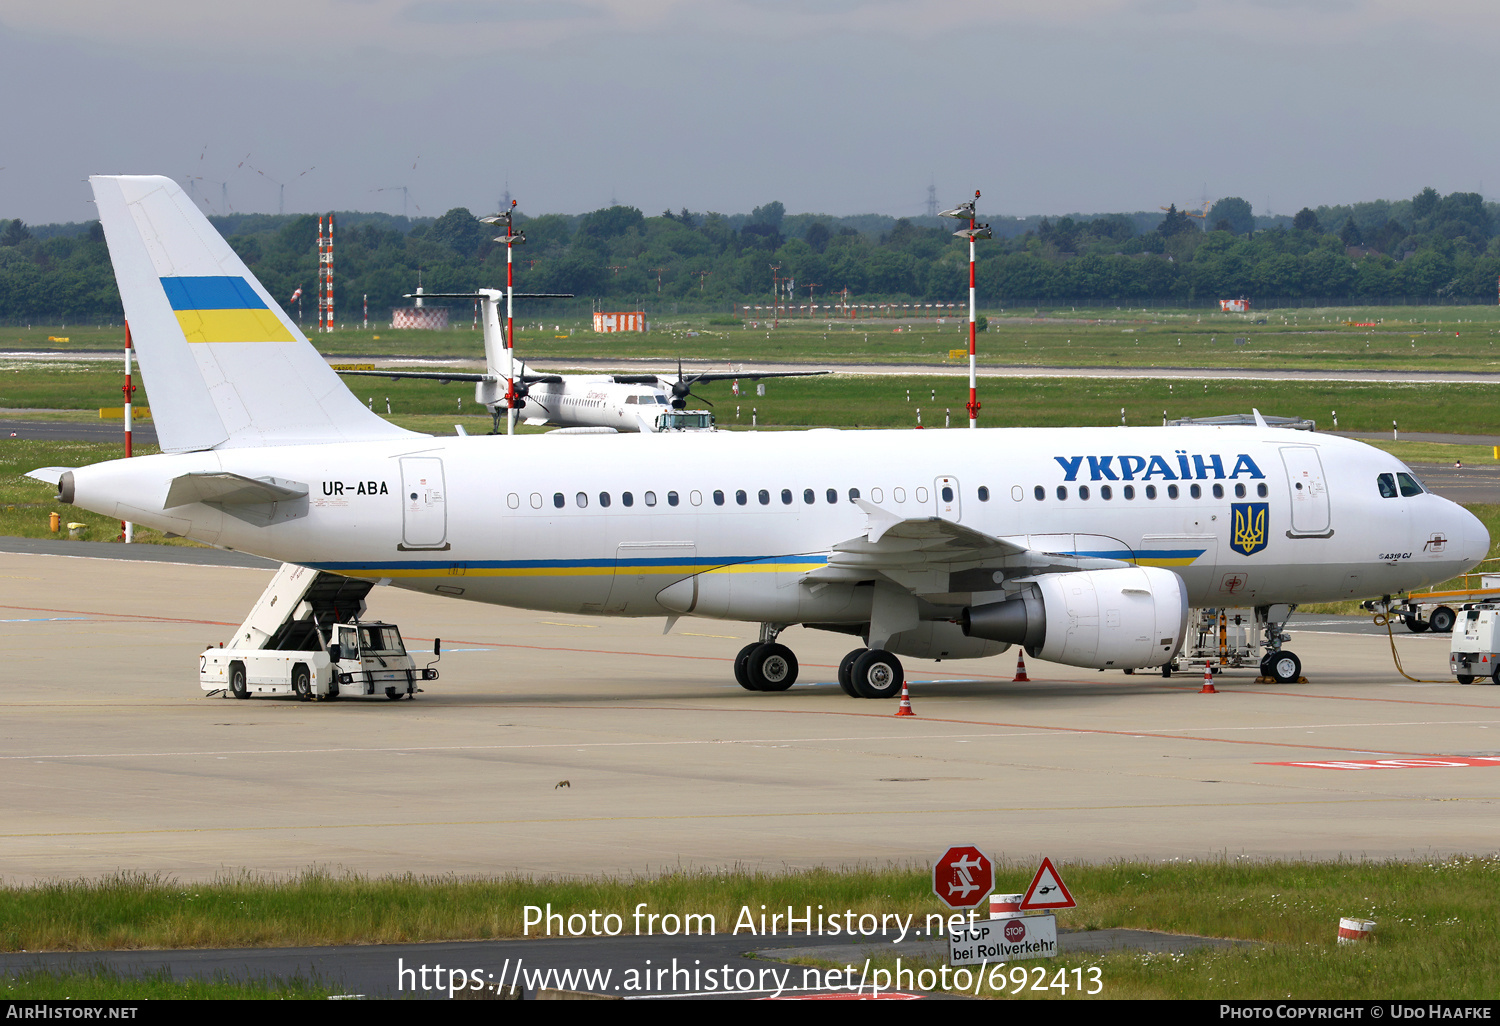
pixel 632 321
pixel 429 318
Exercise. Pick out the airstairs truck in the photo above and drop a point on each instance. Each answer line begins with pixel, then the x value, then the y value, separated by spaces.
pixel 304 637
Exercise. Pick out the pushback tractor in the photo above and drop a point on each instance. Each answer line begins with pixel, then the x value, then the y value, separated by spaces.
pixel 305 637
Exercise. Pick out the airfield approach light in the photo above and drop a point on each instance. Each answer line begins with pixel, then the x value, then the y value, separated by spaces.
pixel 512 239
pixel 973 232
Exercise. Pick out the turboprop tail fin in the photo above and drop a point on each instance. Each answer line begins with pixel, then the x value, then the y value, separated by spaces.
pixel 224 365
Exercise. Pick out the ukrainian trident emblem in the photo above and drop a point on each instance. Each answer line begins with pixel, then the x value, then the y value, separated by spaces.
pixel 1248 534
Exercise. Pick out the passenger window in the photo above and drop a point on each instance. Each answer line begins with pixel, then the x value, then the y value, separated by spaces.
pixel 876 495
pixel 1039 492
pixel 671 499
pixel 740 497
pixel 536 500
pixel 1062 492
pixel 513 500
pixel 1151 491
pixel 833 496
pixel 809 496
pixel 1171 491
pixel 627 499
pixel 557 499
pixel 1196 492
pixel 1218 491
pixel 1106 493
pixel 853 494
pixel 922 494
pixel 1262 490
pixel 1239 491
pixel 764 497
pixel 604 499
pixel 786 496
pixel 1083 492
pixel 899 494
pixel 695 497
pixel 1410 485
pixel 582 500
pixel 984 494
pixel 650 498
pixel 718 497
pixel 1129 491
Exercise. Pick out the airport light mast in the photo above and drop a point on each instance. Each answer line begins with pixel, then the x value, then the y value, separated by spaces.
pixel 973 232
pixel 512 239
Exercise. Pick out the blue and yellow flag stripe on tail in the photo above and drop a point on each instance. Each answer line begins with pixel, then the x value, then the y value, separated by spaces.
pixel 215 308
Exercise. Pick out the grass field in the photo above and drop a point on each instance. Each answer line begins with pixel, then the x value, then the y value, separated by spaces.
pixel 1437 932
pixel 1401 338
pixel 851 400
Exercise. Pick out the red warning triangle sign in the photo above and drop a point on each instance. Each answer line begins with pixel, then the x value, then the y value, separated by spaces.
pixel 1047 890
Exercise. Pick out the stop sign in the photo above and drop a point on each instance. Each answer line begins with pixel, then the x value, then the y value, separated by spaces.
pixel 963 877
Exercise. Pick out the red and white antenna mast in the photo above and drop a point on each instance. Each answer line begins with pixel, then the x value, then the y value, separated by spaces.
pixel 973 232
pixel 127 529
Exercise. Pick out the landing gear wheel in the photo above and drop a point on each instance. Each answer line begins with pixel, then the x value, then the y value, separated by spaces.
pixel 1442 620
pixel 741 666
pixel 877 674
pixel 302 684
pixel 1285 667
pixel 846 673
pixel 1415 625
pixel 238 685
pixel 771 667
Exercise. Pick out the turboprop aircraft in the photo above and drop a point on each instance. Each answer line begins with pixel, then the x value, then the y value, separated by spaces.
pixel 1087 546
pixel 612 402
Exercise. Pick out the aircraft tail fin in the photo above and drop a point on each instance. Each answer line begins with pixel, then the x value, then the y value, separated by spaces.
pixel 225 366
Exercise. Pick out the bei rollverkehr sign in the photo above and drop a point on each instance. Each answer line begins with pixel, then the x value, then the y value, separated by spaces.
pixel 963 877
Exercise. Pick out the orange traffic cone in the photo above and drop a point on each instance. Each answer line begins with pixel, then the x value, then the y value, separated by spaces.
pixel 905 709
pixel 1208 681
pixel 1020 668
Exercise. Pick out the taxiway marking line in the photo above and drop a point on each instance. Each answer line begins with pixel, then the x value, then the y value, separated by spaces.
pixel 737 816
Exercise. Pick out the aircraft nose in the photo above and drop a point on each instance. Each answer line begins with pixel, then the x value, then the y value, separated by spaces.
pixel 1475 544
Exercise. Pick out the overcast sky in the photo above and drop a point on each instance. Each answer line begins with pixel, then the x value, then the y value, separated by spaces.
pixel 832 106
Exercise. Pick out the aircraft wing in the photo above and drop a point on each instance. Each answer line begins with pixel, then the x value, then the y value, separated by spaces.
pixel 751 376
pixel 546 379
pixel 660 379
pixel 930 555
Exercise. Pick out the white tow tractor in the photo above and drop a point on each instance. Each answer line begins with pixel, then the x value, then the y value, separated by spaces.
pixel 304 637
pixel 1474 652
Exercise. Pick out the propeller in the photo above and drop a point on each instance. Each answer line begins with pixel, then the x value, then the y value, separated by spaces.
pixel 683 387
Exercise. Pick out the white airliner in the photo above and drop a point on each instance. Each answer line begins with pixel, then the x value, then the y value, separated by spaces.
pixel 1085 545
pixel 613 402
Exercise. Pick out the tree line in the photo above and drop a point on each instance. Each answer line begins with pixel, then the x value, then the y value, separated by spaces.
pixel 1430 248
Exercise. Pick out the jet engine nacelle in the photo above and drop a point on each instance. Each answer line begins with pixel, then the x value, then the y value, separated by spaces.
pixel 1132 617
pixel 939 639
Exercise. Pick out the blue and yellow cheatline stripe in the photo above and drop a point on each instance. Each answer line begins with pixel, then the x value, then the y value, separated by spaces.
pixel 222 308
pixel 664 567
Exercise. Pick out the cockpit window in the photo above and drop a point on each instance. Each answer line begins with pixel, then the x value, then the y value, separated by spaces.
pixel 1410 485
pixel 1387 484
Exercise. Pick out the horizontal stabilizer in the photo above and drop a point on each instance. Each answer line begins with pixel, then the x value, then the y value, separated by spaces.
pixel 49 475
pixel 226 489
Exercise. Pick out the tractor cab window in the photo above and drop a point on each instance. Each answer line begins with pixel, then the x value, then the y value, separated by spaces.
pixel 381 641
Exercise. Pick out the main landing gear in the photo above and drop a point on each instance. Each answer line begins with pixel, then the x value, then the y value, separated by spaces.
pixel 767 665
pixel 870 673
